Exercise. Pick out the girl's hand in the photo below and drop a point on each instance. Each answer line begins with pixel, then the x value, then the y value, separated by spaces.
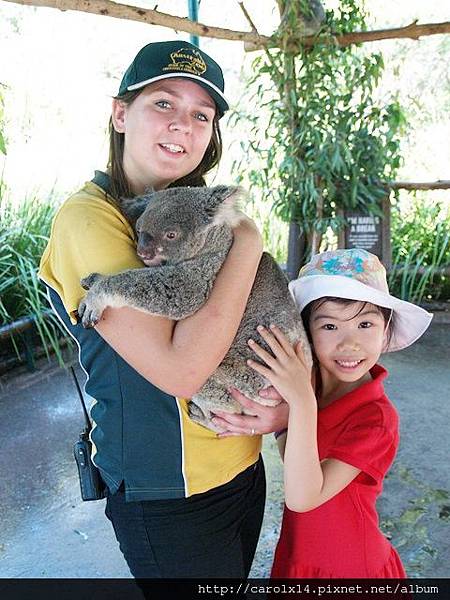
pixel 286 370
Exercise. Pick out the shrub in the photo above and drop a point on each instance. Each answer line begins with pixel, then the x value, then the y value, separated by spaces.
pixel 420 234
pixel 23 237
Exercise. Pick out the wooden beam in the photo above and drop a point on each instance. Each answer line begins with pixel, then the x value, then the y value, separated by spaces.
pixel 144 15
pixel 252 40
pixel 445 270
pixel 442 184
pixel 412 31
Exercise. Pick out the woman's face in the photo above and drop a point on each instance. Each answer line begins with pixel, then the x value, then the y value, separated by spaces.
pixel 167 130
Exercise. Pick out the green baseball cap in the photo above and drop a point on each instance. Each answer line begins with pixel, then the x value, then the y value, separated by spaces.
pixel 164 60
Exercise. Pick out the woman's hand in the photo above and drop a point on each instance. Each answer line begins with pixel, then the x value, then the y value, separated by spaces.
pixel 286 369
pixel 259 419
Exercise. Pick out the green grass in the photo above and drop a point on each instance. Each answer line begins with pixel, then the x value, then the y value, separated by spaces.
pixel 420 247
pixel 25 227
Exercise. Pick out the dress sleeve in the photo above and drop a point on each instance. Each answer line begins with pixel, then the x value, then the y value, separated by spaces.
pixel 86 238
pixel 369 444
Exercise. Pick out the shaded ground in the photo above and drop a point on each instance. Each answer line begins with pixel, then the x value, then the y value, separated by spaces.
pixel 47 531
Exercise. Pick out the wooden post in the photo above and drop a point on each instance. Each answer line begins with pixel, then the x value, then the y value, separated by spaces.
pixel 296 250
pixel 386 246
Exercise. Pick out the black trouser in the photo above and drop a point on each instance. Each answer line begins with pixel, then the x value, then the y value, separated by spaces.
pixel 213 534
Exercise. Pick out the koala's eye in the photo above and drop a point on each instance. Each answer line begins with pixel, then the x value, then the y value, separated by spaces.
pixel 171 235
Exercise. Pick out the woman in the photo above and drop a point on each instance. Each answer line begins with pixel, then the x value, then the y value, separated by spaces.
pixel 183 502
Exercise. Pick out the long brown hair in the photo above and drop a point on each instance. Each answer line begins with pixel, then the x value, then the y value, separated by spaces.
pixel 120 186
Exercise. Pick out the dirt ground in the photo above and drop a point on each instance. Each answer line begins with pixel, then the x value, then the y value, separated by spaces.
pixel 47 531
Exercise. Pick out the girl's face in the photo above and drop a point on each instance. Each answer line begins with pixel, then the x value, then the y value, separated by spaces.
pixel 167 130
pixel 347 344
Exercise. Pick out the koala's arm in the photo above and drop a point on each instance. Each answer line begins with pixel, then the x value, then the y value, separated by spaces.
pixel 178 357
pixel 175 291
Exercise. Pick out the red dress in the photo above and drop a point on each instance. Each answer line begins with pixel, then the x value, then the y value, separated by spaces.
pixel 341 538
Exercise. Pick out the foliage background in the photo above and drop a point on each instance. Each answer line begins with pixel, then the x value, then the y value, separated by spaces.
pixel 319 140
pixel 57 92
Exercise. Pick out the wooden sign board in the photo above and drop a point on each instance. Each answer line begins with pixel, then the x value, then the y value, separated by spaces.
pixel 369 232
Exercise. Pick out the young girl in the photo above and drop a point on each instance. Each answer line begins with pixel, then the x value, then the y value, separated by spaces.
pixel 342 439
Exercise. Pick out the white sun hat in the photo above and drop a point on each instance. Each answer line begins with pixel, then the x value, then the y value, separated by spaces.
pixel 359 275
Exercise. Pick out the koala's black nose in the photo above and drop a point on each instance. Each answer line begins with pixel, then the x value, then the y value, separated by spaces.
pixel 144 238
pixel 146 246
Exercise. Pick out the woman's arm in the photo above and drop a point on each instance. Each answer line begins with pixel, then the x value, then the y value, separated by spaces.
pixel 178 357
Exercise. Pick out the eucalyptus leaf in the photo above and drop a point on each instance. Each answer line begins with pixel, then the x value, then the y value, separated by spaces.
pixel 2 143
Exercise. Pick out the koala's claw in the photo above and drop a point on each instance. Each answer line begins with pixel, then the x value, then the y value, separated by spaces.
pixel 88 313
pixel 88 282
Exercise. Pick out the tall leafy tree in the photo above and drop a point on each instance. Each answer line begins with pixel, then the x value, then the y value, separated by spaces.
pixel 318 140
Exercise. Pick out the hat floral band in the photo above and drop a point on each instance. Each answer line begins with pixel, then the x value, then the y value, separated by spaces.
pixel 355 263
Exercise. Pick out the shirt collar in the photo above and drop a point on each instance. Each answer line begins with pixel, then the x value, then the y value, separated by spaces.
pixel 372 390
pixel 103 180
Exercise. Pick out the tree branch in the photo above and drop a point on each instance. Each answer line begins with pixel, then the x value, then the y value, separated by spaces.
pixel 253 41
pixel 266 48
pixel 412 31
pixel 152 17
pixel 248 17
pixel 441 184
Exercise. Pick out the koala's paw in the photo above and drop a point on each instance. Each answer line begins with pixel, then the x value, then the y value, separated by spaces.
pixel 199 416
pixel 88 282
pixel 90 311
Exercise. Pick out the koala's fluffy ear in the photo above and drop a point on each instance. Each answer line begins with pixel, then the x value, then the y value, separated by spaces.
pixel 222 205
pixel 133 208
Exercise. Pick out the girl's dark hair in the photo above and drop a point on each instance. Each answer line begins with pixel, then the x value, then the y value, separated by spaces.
pixel 387 313
pixel 120 186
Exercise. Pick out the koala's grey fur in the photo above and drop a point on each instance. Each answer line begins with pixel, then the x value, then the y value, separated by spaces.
pixel 180 276
pixel 300 17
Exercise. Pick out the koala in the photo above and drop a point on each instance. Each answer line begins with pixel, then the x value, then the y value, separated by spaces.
pixel 303 17
pixel 184 235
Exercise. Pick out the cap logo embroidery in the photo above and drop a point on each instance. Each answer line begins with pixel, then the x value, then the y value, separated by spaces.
pixel 187 61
